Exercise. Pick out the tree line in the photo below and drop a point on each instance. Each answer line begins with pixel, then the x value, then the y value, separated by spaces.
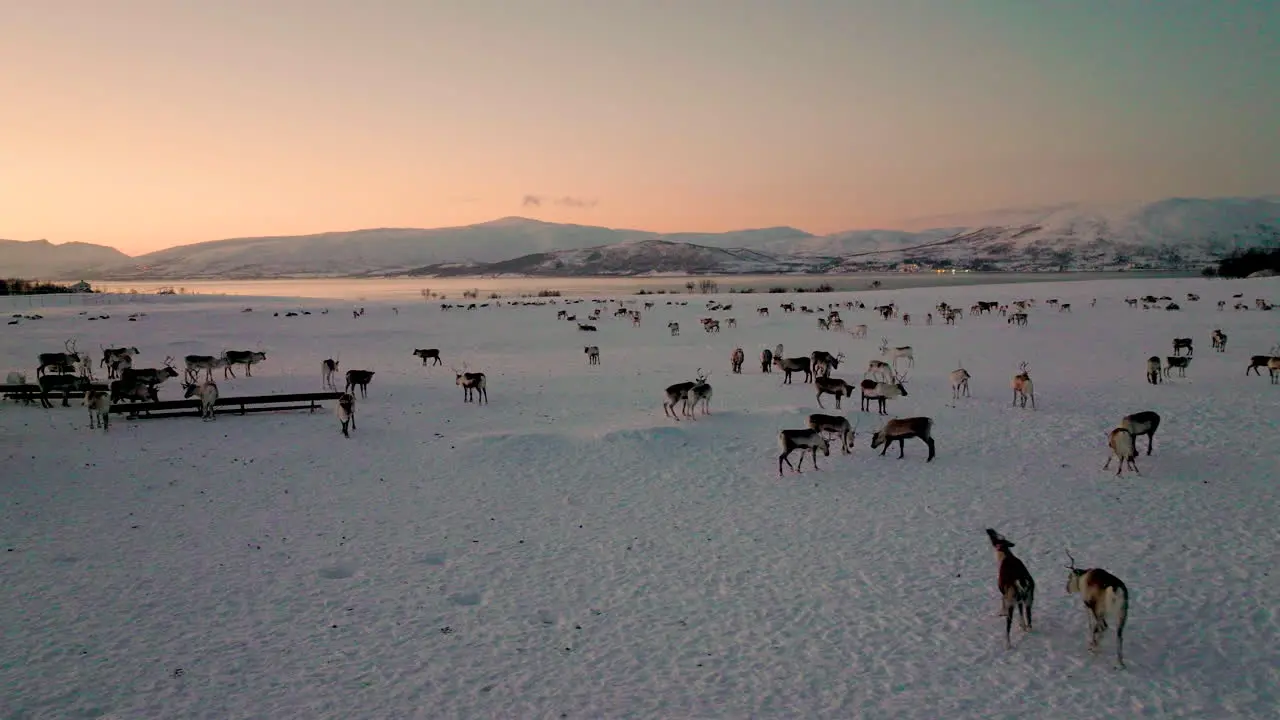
pixel 18 286
pixel 1244 263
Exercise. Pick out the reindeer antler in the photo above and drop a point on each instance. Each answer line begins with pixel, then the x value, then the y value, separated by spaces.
pixel 1072 566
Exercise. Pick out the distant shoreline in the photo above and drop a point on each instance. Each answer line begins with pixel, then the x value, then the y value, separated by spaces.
pixel 407 289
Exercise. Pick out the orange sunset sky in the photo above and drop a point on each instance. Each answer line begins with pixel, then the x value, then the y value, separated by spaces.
pixel 143 124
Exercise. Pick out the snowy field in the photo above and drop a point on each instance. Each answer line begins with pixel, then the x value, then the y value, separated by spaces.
pixel 567 551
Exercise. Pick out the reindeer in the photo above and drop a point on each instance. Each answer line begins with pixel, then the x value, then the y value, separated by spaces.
pixel 1181 363
pixel 474 386
pixel 208 394
pixel 902 430
pixel 1261 361
pixel 207 363
pixel 700 393
pixel 430 354
pixel 762 311
pixel 1179 344
pixel 859 331
pixel 679 393
pixel 674 327
pixel 1104 595
pixel 1023 388
pixel 586 328
pixel 66 383
pixel 1154 370
pixel 593 354
pixel 247 358
pixel 18 378
pixel 881 392
pixel 736 359
pixel 959 383
pixel 133 390
pixel 111 357
pixel 1219 341
pixel 118 365
pixel 346 412
pixel 793 365
pixel 836 424
pixel 824 362
pixel 807 439
pixel 62 361
pixel 328 369
pixel 1273 369
pixel 1120 440
pixel 1017 319
pixel 1017 588
pixel 99 404
pixel 766 360
pixel 1142 423
pixel 359 379
pixel 896 353
pixel 880 369
pixel 831 386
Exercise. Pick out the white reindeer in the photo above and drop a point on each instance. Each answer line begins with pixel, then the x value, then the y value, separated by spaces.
pixel 1123 447
pixel 328 369
pixel 959 383
pixel 881 370
pixel 99 404
pixel 347 412
pixel 1105 596
pixel 896 353
pixel 807 439
pixel 208 393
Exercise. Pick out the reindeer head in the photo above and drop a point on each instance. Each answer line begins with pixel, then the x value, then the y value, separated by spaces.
pixel 884 346
pixel 700 377
pixel 999 543
pixel 901 384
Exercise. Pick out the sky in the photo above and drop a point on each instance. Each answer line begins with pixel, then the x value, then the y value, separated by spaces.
pixel 143 124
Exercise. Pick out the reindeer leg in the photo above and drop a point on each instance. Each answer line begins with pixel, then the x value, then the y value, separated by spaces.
pixel 1007 610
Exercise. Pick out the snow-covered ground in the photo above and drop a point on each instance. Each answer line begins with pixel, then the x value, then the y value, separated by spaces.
pixel 567 551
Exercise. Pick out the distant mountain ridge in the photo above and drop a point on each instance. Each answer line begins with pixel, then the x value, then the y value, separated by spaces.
pixel 1176 232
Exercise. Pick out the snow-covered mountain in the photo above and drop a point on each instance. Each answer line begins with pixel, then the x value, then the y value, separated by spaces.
pixel 1177 232
pixel 1169 233
pixel 42 260
pixel 631 257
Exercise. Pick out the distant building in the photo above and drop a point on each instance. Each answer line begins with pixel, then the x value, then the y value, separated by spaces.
pixel 82 286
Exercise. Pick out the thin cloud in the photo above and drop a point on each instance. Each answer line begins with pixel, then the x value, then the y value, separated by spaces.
pixel 574 202
pixel 566 201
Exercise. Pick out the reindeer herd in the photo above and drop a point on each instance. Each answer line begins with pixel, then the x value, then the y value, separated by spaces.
pixel 885 379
